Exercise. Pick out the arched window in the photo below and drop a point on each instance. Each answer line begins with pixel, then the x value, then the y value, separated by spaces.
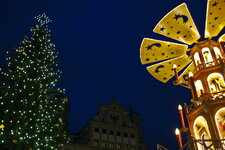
pixel 216 82
pixel 220 122
pixel 197 59
pixel 201 131
pixel 217 52
pixel 199 87
pixel 207 55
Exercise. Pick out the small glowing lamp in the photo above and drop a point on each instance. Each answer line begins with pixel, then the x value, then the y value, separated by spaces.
pixel 14 141
pixel 179 107
pixel 190 74
pixel 181 116
pixel 2 126
pixel 174 66
pixel 177 131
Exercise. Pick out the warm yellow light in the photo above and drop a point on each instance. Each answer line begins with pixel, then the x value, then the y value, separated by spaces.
pixel 177 131
pixel 190 74
pixel 179 107
pixel 198 85
pixel 14 141
pixel 174 66
pixel 2 126
pixel 213 88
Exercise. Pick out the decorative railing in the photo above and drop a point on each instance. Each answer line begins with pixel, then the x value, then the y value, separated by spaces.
pixel 210 64
pixel 210 144
pixel 186 146
pixel 204 145
pixel 190 107
pixel 218 95
pixel 160 147
pixel 200 145
pixel 204 98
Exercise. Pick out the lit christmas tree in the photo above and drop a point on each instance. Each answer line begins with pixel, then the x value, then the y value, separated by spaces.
pixel 30 105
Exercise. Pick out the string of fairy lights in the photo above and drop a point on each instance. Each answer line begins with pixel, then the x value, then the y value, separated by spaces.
pixel 28 100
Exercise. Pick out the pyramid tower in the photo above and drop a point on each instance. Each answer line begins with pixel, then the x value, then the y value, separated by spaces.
pixel 202 67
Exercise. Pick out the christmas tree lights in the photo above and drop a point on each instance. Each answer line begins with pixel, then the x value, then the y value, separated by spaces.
pixel 30 105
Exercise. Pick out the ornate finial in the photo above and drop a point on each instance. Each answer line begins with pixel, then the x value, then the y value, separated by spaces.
pixel 43 19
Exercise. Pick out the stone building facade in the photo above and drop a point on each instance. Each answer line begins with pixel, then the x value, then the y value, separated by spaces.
pixel 113 128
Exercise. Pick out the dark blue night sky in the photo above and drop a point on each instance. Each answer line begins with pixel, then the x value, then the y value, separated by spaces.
pixel 98 43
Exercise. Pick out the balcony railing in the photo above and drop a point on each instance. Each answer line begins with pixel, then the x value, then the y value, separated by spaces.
pixel 218 95
pixel 208 144
pixel 200 145
pixel 210 64
pixel 160 147
pixel 204 98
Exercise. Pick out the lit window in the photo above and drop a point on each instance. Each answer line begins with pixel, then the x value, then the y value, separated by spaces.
pixel 201 131
pixel 216 82
pixel 199 87
pixel 103 144
pixel 197 59
pixel 217 52
pixel 220 122
pixel 118 146
pixel 207 55
pixel 110 145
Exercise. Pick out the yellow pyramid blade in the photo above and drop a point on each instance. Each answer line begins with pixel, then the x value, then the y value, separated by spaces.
pixel 183 78
pixel 164 71
pixel 179 25
pixel 222 38
pixel 215 18
pixel 154 50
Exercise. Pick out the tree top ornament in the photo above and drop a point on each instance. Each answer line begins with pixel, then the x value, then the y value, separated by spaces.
pixel 43 19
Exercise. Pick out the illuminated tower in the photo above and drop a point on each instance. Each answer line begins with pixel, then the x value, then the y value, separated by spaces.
pixel 203 66
pixel 206 114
